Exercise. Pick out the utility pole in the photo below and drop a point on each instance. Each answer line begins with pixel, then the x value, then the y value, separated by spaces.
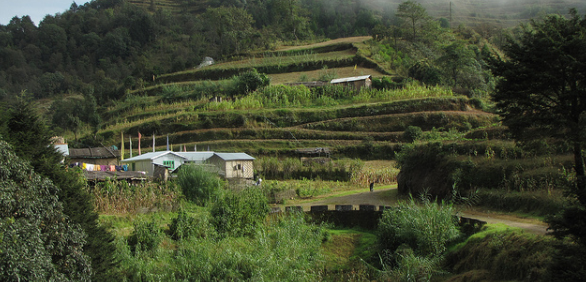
pixel 450 11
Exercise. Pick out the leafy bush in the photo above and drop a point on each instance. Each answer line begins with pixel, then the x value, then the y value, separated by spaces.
pixel 426 229
pixel 240 213
pixel 198 185
pixel 147 236
pixel 38 241
pixel 183 226
pixel 412 133
pixel 250 81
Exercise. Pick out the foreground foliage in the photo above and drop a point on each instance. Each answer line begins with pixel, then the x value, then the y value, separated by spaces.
pixel 502 253
pixel 413 239
pixel 30 137
pixel 286 249
pixel 38 241
pixel 199 185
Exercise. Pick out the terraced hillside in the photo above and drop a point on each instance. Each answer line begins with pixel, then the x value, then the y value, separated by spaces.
pixel 280 119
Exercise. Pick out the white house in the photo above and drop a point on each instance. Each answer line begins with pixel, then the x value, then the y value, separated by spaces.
pixel 225 162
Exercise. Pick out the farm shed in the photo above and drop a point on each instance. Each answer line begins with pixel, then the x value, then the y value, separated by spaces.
pixel 356 82
pixel 234 165
pixel 96 156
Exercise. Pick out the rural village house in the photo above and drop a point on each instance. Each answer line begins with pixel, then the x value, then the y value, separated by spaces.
pixel 230 165
pixel 234 165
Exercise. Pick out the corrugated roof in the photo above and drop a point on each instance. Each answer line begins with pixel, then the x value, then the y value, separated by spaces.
pixel 196 156
pixel 191 156
pixel 234 156
pixel 93 153
pixel 350 79
pixel 150 156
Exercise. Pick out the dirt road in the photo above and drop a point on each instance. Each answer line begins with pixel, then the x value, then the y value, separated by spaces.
pixel 388 197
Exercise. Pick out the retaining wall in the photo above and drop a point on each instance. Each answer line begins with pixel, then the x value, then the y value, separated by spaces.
pixel 363 216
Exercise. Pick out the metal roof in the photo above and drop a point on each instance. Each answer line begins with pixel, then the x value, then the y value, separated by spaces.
pixel 234 156
pixel 151 156
pixel 191 156
pixel 196 156
pixel 350 79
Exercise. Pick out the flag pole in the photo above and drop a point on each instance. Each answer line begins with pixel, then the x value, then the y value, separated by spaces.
pixel 139 136
pixel 121 145
pixel 130 138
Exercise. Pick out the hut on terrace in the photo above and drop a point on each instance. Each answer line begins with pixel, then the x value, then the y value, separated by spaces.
pixel 356 82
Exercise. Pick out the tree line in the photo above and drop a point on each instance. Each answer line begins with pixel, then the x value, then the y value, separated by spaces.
pixel 105 46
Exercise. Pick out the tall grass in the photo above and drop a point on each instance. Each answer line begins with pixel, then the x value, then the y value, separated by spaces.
pixel 117 197
pixel 413 239
pixel 294 168
pixel 282 96
pixel 426 229
pixel 286 249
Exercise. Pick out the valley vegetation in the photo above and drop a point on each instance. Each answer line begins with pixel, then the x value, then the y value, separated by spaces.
pixel 468 109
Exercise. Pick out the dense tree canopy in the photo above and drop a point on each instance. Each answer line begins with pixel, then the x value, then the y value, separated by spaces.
pixel 30 140
pixel 38 242
pixel 543 91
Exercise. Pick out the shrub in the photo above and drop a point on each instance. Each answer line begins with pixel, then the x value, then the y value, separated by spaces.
pixel 412 133
pixel 198 185
pixel 146 236
pixel 183 226
pixel 240 214
pixel 426 229
pixel 250 81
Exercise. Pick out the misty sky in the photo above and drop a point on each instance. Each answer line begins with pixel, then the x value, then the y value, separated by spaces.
pixel 36 9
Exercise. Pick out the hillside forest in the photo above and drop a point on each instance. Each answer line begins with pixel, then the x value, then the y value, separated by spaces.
pixel 475 107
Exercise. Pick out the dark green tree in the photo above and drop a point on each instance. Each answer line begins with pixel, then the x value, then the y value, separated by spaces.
pixel 456 60
pixel 198 185
pixel 414 15
pixel 30 139
pixel 38 242
pixel 542 92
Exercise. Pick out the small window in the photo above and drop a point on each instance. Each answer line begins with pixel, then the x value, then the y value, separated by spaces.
pixel 238 167
pixel 170 164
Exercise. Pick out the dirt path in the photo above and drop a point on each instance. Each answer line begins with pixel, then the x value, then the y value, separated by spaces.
pixel 388 197
pixel 325 43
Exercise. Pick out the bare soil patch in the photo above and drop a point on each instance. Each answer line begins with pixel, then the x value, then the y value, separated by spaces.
pixel 325 43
